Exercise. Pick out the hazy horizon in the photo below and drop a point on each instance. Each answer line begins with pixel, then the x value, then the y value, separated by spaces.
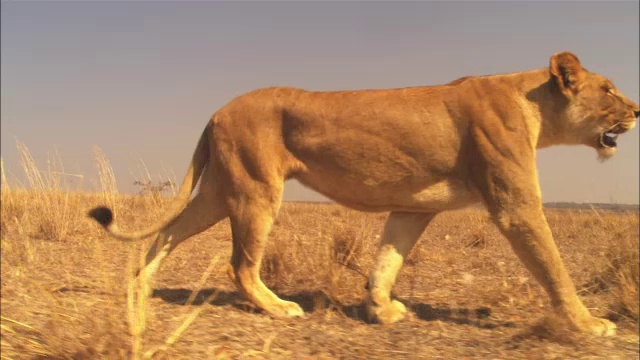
pixel 141 79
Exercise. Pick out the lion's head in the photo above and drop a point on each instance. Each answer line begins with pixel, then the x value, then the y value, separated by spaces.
pixel 596 113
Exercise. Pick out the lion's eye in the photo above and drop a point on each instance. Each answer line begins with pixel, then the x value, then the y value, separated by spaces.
pixel 611 91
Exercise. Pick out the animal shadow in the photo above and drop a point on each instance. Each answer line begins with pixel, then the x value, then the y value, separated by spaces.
pixel 479 317
pixel 181 297
pixel 312 301
pixel 308 301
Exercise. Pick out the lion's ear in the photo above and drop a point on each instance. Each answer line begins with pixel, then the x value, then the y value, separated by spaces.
pixel 565 67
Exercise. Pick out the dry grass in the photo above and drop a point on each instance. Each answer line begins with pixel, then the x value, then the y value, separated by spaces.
pixel 67 291
pixel 45 210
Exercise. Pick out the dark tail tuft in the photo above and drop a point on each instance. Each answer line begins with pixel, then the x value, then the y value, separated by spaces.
pixel 102 214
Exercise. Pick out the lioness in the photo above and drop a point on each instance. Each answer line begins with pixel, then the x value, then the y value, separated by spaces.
pixel 414 152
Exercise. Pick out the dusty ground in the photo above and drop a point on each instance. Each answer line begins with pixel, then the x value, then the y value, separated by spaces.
pixel 468 295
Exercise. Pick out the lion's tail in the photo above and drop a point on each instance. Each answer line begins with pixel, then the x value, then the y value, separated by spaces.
pixel 104 215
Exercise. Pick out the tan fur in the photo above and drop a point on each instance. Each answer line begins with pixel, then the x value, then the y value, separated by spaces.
pixel 414 152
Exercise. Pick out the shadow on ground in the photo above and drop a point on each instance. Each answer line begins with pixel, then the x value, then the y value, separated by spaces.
pixel 318 300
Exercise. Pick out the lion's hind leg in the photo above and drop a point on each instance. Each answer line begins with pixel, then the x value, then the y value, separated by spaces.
pixel 250 226
pixel 200 214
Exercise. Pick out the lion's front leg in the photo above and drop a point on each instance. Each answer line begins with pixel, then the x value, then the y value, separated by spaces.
pixel 531 239
pixel 401 232
pixel 503 168
pixel 513 198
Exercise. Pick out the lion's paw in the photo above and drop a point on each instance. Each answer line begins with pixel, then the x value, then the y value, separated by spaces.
pixel 598 327
pixel 285 309
pixel 585 324
pixel 388 313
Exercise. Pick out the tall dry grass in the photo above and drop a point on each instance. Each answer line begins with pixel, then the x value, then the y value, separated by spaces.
pixel 108 186
pixel 45 206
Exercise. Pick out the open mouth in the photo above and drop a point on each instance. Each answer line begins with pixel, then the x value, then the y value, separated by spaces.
pixel 608 138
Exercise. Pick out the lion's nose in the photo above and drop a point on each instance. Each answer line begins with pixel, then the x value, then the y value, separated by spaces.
pixel 636 113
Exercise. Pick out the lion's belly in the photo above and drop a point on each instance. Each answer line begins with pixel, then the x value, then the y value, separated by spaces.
pixel 446 195
pixel 368 196
pixel 380 172
pixel 380 151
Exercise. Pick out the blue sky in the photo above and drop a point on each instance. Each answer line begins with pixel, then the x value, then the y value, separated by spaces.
pixel 140 79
